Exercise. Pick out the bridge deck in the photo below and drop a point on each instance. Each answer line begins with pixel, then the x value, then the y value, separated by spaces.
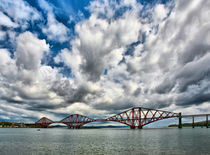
pixel 197 115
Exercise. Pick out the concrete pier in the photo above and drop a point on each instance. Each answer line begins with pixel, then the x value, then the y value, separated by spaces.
pixel 180 121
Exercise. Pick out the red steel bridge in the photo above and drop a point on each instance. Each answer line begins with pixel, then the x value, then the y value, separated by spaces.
pixel 136 117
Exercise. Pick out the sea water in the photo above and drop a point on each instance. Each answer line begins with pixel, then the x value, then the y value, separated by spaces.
pixel 59 141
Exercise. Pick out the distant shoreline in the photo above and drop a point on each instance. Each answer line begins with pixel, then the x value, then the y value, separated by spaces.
pixel 33 125
pixel 196 124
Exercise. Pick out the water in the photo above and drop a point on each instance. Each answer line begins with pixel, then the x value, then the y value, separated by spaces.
pixel 104 141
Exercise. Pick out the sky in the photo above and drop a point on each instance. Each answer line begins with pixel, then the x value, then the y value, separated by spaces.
pixel 100 57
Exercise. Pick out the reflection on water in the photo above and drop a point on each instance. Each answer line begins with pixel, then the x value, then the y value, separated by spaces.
pixel 104 141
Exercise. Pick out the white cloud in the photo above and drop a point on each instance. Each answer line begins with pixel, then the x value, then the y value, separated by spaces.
pixel 172 41
pixel 7 65
pixel 6 21
pixel 103 44
pixel 54 30
pixel 19 11
pixel 80 108
pixel 160 12
pixel 30 51
pixel 2 35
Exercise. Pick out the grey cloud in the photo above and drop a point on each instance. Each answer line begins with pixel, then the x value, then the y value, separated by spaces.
pixel 10 100
pixel 39 106
pixel 137 92
pixel 61 87
pixel 78 95
pixel 131 68
pixel 194 51
pixel 193 99
pixel 93 68
pixel 165 87
pixel 72 95
pixel 190 48
pixel 190 74
pixel 118 105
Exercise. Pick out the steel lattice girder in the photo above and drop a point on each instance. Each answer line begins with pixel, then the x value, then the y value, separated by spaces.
pixel 76 120
pixel 44 122
pixel 138 117
pixel 134 117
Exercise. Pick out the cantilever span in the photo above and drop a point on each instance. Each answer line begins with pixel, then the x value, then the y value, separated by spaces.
pixel 134 117
pixel 44 122
pixel 139 116
pixel 75 121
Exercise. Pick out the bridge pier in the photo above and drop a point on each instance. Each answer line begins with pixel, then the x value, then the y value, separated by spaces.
pixel 207 125
pixel 74 127
pixel 44 126
pixel 180 121
pixel 132 127
pixel 193 125
pixel 139 127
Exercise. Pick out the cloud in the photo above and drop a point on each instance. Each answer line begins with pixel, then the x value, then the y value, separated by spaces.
pixel 54 30
pixel 6 21
pixel 22 77
pixel 2 35
pixel 113 36
pixel 160 12
pixel 20 11
pixel 7 65
pixel 123 55
pixel 161 70
pixel 180 54
pixel 189 50
pixel 29 51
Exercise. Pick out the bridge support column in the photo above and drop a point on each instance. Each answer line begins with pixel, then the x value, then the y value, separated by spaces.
pixel 132 127
pixel 133 119
pixel 139 127
pixel 193 125
pixel 139 119
pixel 207 121
pixel 44 125
pixel 180 121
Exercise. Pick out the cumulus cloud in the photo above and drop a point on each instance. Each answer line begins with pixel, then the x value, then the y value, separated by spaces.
pixel 162 68
pixel 22 77
pixel 101 43
pixel 179 51
pixel 29 51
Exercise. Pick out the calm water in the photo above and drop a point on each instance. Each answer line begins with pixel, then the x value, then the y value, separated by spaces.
pixel 104 141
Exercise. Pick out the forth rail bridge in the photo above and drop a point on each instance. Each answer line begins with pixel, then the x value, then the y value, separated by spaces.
pixel 136 117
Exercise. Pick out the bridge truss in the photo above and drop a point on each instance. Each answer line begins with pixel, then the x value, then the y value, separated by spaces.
pixel 139 117
pixel 44 122
pixel 75 121
pixel 134 117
